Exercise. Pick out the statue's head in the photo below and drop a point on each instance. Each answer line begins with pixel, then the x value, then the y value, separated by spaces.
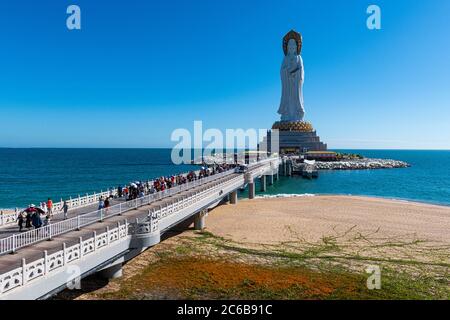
pixel 292 43
pixel 292 47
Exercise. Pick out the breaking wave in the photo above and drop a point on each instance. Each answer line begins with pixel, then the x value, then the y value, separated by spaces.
pixel 285 195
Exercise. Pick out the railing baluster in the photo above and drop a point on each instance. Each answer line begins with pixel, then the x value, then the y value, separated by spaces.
pixel 95 240
pixel 64 253
pixel 24 271
pixel 13 243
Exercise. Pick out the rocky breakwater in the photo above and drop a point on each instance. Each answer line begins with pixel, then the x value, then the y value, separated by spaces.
pixel 360 164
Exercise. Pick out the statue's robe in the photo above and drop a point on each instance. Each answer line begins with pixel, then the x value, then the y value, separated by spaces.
pixel 292 75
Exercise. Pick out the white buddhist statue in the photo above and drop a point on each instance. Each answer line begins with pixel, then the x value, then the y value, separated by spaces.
pixel 292 134
pixel 292 76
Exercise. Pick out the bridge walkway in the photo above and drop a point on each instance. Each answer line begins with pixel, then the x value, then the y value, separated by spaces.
pixel 9 262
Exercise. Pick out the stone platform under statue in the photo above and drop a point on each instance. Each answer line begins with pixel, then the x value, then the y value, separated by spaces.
pixel 294 137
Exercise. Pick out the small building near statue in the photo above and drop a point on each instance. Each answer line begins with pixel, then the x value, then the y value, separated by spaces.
pixel 294 135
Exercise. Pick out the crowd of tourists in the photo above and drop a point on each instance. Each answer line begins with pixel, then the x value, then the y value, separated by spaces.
pixel 35 217
pixel 140 189
pixel 39 216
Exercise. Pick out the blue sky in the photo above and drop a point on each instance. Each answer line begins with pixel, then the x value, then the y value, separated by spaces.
pixel 140 69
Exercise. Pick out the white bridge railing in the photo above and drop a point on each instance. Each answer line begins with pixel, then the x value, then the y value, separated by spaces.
pixel 20 240
pixel 79 202
pixel 50 262
pixel 73 203
pixel 187 201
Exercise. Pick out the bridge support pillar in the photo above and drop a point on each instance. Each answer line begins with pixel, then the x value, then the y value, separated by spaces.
pixel 289 169
pixel 199 220
pixel 277 175
pixel 263 183
pixel 112 272
pixel 233 197
pixel 251 190
pixel 270 179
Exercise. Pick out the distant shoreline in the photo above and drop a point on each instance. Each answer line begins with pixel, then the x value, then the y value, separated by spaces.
pixel 7 211
pixel 295 195
pixel 169 148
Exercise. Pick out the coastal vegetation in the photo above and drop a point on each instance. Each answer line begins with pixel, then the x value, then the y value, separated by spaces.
pixel 348 156
pixel 201 265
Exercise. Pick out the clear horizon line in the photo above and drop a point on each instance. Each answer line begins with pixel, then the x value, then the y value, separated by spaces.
pixel 341 148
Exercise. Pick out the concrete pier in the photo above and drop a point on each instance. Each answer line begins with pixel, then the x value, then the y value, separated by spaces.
pixel 263 183
pixel 270 179
pixel 112 272
pixel 251 190
pixel 199 220
pixel 233 197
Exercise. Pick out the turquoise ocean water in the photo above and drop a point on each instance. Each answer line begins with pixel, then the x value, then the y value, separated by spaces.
pixel 32 175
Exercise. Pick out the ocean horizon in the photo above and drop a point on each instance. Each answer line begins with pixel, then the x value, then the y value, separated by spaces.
pixel 31 175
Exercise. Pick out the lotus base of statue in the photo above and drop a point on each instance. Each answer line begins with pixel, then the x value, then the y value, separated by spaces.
pixel 299 126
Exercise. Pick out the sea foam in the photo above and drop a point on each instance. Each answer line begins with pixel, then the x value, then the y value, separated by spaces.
pixel 285 195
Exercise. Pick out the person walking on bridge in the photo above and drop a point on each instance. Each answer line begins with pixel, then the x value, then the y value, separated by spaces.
pixel 46 221
pixel 36 220
pixel 29 215
pixel 101 203
pixel 20 220
pixel 50 206
pixel 28 220
pixel 65 208
pixel 44 207
pixel 106 205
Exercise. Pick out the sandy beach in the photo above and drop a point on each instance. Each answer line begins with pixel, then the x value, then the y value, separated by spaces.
pixel 273 220
pixel 6 211
pixel 294 248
